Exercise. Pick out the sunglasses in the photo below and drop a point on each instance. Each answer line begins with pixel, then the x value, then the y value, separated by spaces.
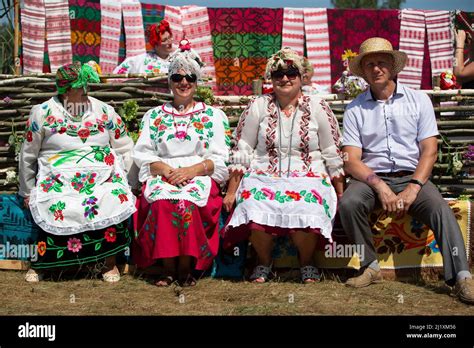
pixel 291 74
pixel 178 78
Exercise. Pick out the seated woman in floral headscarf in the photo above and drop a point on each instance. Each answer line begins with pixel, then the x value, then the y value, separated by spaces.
pixel 284 163
pixel 182 153
pixel 156 60
pixel 73 166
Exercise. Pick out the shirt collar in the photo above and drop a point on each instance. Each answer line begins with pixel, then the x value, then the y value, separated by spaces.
pixel 399 90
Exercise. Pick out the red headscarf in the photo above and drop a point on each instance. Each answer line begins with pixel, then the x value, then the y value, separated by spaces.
pixel 156 31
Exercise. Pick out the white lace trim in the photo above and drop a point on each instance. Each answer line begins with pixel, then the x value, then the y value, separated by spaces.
pixel 237 168
pixel 283 221
pixel 91 226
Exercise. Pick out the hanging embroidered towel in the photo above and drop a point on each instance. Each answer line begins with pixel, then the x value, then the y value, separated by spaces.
pixel 412 40
pixel 440 41
pixel 293 29
pixel 41 19
pixel 111 18
pixel 133 23
pixel 317 45
pixel 33 26
pixel 58 33
pixel 173 16
pixel 196 28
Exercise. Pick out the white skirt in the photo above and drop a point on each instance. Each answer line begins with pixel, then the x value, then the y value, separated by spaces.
pixel 295 202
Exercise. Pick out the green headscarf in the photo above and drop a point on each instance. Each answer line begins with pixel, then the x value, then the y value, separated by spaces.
pixel 75 76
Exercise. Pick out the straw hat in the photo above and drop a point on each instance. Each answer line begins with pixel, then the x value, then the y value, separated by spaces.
pixel 377 45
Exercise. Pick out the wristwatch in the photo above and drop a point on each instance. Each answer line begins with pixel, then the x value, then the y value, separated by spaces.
pixel 415 181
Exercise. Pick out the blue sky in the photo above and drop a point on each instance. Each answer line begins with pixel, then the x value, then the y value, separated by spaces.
pixel 466 5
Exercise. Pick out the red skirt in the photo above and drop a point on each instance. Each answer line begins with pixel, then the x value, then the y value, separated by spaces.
pixel 171 228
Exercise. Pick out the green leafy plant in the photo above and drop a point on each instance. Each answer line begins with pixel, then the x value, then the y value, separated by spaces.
pixel 15 141
pixel 205 94
pixel 128 111
pixel 453 159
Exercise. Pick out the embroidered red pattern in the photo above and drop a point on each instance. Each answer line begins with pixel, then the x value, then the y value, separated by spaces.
pixel 304 133
pixel 271 133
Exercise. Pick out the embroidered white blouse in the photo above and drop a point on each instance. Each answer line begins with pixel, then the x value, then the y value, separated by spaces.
pixel 181 141
pixel 311 136
pixel 149 63
pixel 74 168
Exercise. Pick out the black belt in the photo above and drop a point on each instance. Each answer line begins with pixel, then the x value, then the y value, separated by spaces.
pixel 396 174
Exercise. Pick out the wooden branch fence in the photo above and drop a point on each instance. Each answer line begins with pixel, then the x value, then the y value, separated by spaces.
pixel 454 111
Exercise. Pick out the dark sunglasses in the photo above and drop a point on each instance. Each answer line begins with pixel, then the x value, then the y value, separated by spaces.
pixel 291 73
pixel 178 78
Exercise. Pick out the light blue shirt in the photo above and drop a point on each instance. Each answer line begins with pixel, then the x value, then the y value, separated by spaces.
pixel 389 132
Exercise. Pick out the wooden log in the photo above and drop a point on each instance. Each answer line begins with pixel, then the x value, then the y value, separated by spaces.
pixel 457 132
pixel 150 93
pixel 42 95
pixel 454 108
pixel 18 80
pixel 8 112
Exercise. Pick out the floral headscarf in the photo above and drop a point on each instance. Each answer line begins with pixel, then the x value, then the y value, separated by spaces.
pixel 282 60
pixel 75 76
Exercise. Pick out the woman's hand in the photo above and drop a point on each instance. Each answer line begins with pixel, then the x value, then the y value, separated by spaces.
pixel 460 38
pixel 229 201
pixel 160 168
pixel 181 176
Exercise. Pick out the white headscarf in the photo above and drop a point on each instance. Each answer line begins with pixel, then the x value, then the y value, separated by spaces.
pixel 185 58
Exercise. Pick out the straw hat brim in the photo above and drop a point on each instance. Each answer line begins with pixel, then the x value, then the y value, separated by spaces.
pixel 399 62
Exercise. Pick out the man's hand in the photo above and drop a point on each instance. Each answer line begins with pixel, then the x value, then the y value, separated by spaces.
pixel 389 200
pixel 408 195
pixel 229 201
pixel 181 176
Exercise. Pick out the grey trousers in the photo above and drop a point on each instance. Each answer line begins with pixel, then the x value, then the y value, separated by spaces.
pixel 360 199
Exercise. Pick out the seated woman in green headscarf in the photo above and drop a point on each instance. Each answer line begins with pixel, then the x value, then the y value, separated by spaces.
pixel 73 167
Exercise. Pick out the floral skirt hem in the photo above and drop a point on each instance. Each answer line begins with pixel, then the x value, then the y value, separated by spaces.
pixel 82 248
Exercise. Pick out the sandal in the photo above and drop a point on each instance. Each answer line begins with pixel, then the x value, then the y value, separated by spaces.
pixel 189 281
pixel 32 276
pixel 309 274
pixel 111 276
pixel 260 274
pixel 164 281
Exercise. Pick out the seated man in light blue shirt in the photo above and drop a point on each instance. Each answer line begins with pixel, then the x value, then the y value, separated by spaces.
pixel 390 147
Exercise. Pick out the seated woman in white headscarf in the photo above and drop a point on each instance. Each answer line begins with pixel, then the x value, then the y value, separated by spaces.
pixel 287 150
pixel 182 153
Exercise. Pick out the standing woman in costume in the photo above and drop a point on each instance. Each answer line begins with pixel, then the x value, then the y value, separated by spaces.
pixel 182 154
pixel 464 71
pixel 73 166
pixel 284 163
pixel 156 61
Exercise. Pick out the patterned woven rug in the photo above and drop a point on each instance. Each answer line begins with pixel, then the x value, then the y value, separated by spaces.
pixel 85 30
pixel 152 14
pixel 402 243
pixel 243 39
pixel 16 227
